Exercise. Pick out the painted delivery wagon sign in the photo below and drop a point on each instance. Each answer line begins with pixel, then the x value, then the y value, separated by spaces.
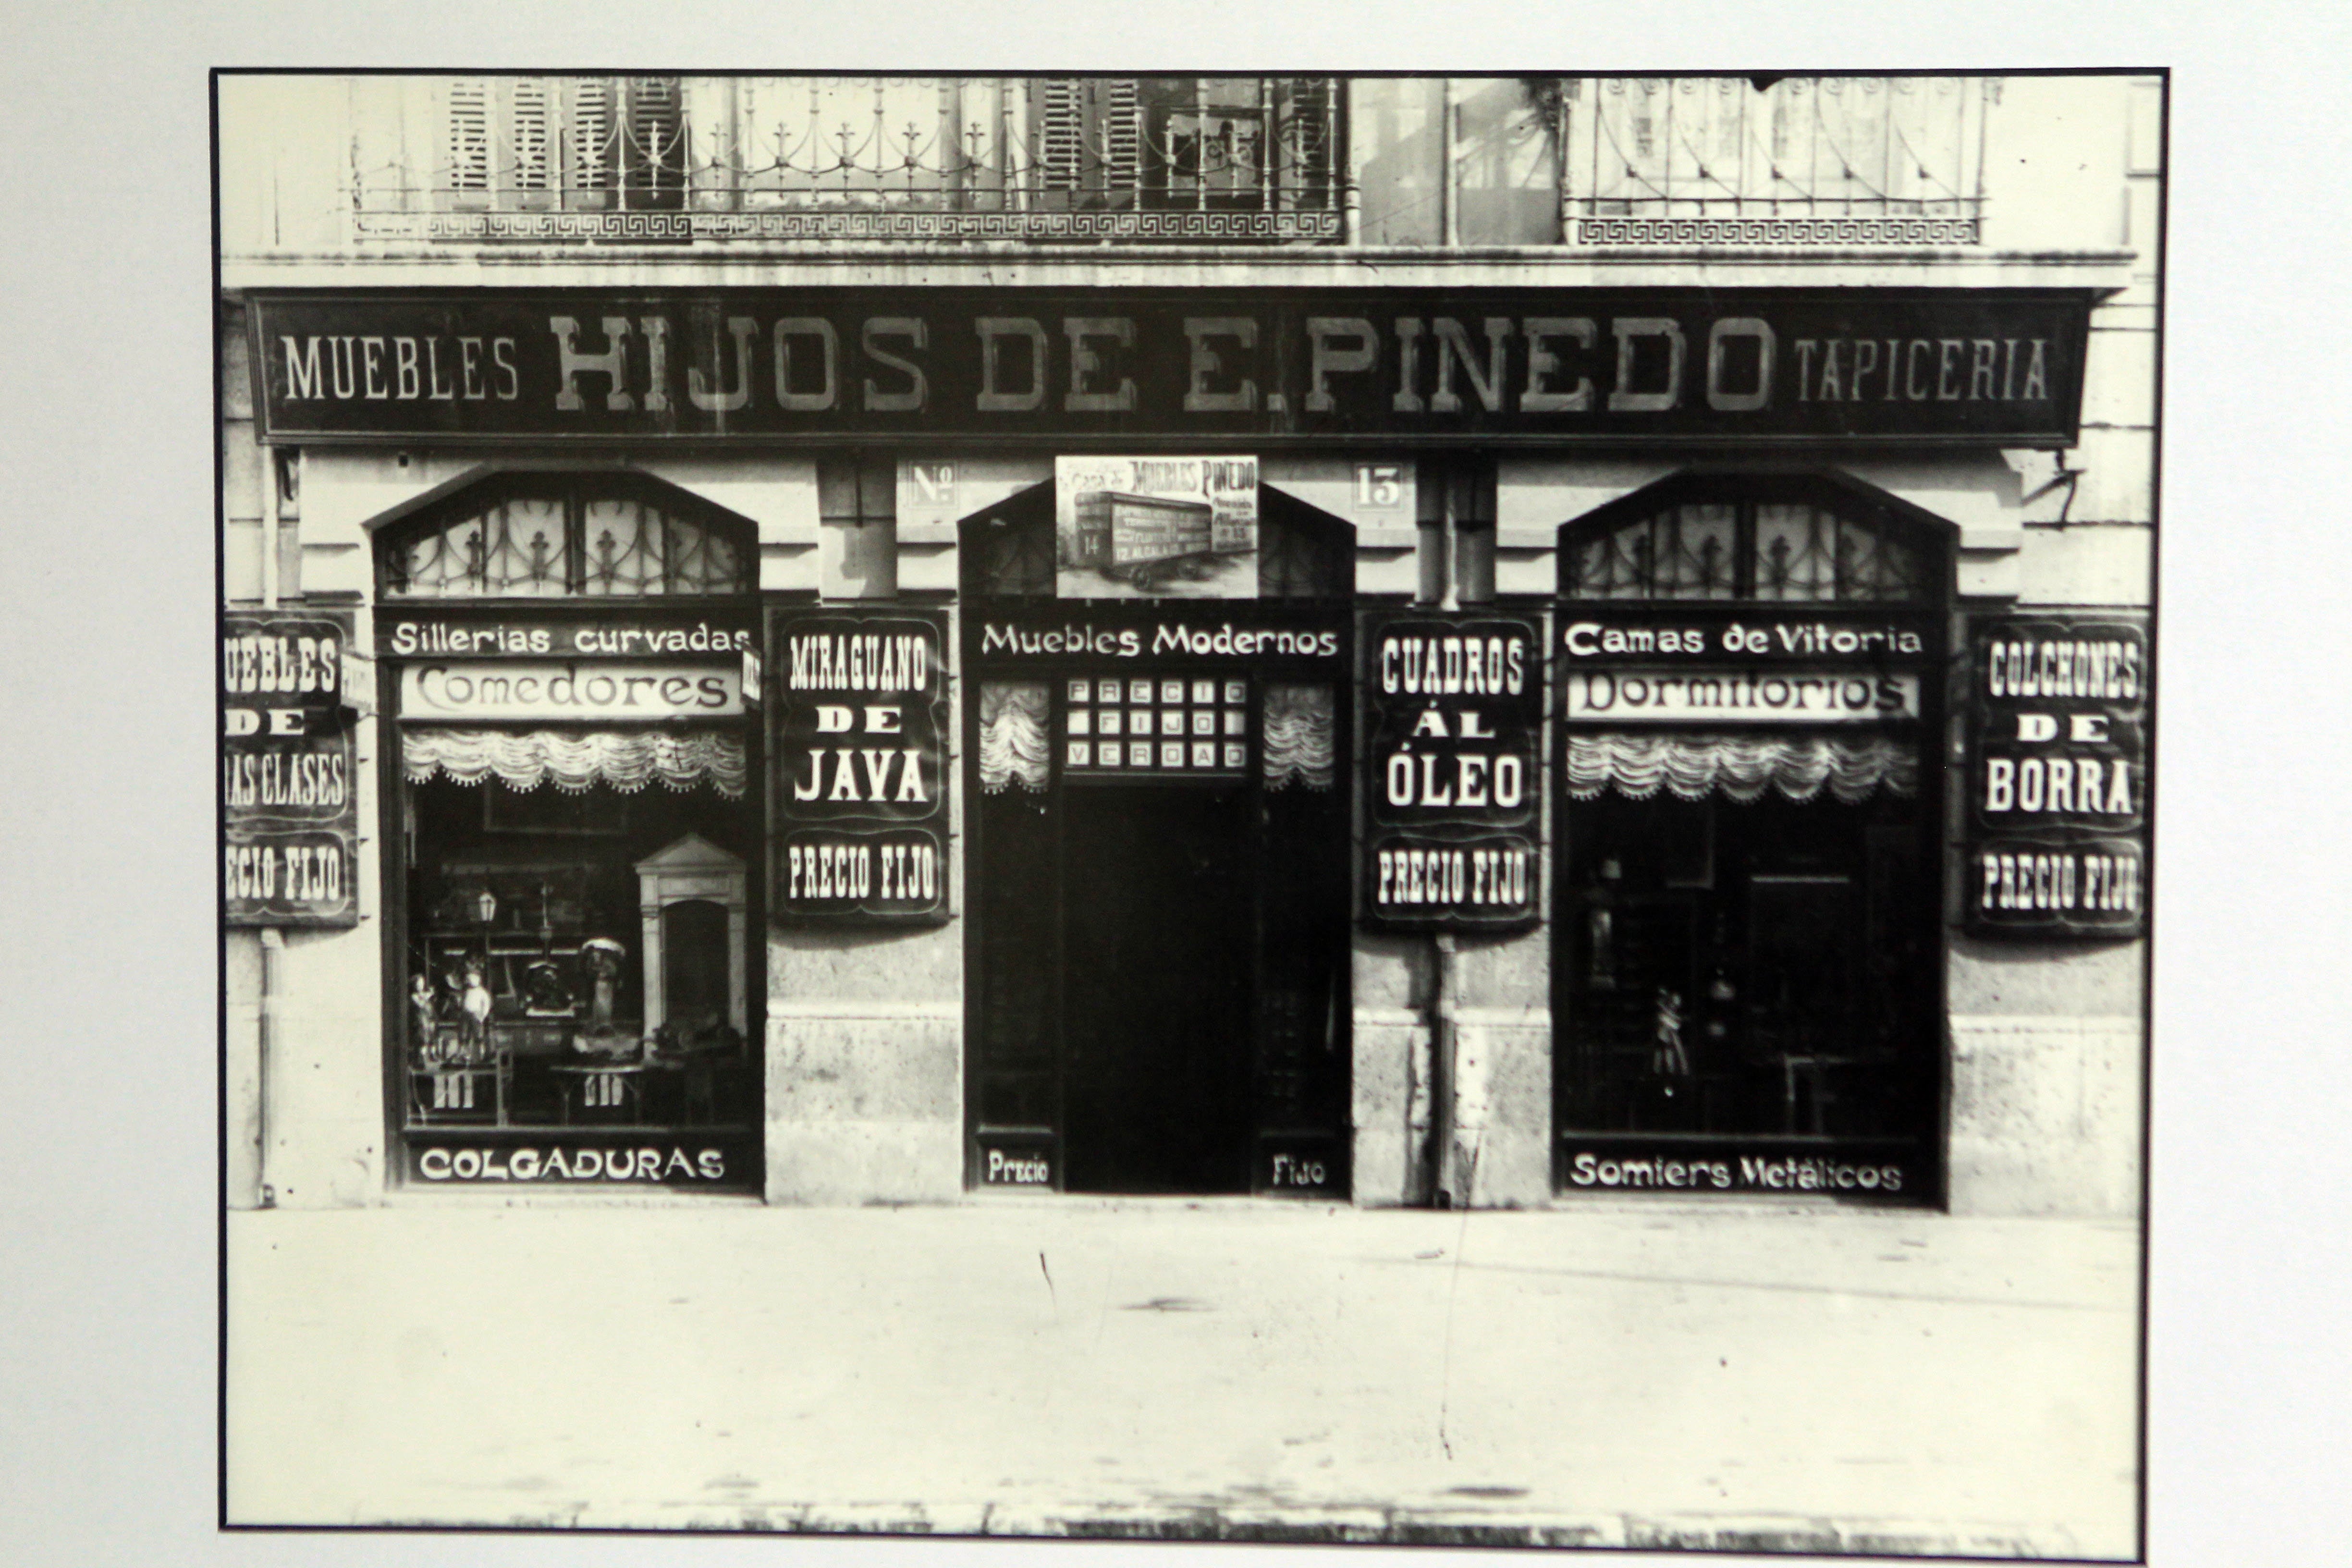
pixel 1454 705
pixel 1990 366
pixel 2058 776
pixel 1160 528
pixel 857 756
pixel 290 803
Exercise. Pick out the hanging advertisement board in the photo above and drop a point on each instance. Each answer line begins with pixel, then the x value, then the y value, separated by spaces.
pixel 2057 775
pixel 290 803
pixel 857 764
pixel 1155 528
pixel 1453 713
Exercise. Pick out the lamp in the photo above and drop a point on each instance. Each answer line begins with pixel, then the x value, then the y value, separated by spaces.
pixel 486 906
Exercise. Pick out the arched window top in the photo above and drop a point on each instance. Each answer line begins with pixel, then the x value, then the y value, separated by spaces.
pixel 569 536
pixel 1773 539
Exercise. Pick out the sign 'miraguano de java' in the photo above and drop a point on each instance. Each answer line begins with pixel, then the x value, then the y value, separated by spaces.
pixel 858 767
pixel 1987 366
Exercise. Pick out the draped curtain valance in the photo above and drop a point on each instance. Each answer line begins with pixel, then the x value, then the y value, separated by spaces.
pixel 1741 767
pixel 1298 736
pixel 1013 716
pixel 626 760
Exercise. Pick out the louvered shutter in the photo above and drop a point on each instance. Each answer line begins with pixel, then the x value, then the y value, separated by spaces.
pixel 1090 141
pixel 465 109
pixel 1061 136
pixel 655 144
pixel 1118 112
pixel 529 143
pixel 1306 140
pixel 592 137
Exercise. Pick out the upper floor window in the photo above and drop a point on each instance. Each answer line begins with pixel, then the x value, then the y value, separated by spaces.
pixel 1773 159
pixel 1777 542
pixel 854 158
pixel 543 537
pixel 563 143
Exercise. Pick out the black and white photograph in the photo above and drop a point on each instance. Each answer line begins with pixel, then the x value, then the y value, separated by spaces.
pixel 1026 733
pixel 1180 785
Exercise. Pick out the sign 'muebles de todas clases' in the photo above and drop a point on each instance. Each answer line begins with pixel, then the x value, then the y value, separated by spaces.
pixel 1454 705
pixel 1997 366
pixel 289 801
pixel 858 784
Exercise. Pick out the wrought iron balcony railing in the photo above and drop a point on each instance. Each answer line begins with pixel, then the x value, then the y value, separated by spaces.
pixel 1765 161
pixel 649 159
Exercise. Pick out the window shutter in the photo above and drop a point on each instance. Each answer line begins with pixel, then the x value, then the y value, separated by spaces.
pixel 1091 140
pixel 467 109
pixel 1119 104
pixel 1300 147
pixel 1061 144
pixel 657 157
pixel 591 138
pixel 529 154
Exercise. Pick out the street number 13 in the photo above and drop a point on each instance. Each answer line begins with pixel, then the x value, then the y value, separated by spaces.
pixel 1380 487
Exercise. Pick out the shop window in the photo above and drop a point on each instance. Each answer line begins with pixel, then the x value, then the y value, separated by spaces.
pixel 577 826
pixel 551 538
pixel 1747 939
pixel 1798 542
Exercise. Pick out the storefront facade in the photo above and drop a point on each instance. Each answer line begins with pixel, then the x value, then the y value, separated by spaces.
pixel 1335 713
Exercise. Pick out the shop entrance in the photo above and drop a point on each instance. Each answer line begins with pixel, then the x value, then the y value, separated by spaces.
pixel 1156 860
pixel 1156 994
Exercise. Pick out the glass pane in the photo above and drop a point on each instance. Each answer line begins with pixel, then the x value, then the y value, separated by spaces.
pixel 447 563
pixel 1873 567
pixel 1796 554
pixel 525 557
pixel 702 560
pixel 621 549
pixel 1684 552
pixel 1693 556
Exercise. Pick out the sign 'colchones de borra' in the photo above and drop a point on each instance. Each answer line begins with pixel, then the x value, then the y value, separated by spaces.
pixel 2058 776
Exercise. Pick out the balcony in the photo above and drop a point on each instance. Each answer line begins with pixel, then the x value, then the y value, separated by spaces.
pixel 682 160
pixel 1765 162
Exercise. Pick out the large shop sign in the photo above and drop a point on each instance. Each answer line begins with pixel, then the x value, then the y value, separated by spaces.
pixel 1987 366
pixel 1454 707
pixel 2057 817
pixel 290 806
pixel 858 775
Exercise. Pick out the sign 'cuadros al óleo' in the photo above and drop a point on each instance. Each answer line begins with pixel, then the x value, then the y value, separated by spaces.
pixel 1455 707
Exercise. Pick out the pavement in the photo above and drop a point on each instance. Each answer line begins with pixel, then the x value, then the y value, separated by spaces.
pixel 1748 1378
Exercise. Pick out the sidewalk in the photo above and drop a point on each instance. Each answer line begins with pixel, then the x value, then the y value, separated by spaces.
pixel 1814 1380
